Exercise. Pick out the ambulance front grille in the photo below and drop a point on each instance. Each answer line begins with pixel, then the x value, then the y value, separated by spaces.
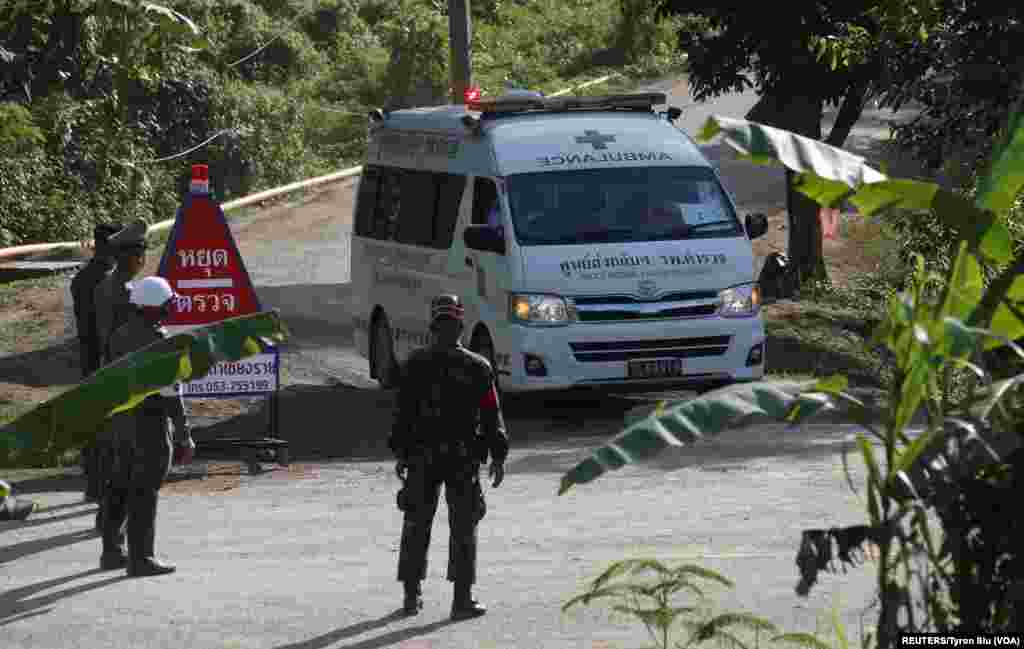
pixel 626 350
pixel 616 308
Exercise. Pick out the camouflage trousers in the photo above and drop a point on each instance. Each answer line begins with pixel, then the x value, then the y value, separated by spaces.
pixel 466 508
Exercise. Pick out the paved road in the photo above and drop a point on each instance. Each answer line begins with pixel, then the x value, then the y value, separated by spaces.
pixel 308 562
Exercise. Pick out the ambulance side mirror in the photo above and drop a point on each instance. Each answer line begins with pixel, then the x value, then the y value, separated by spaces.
pixel 484 238
pixel 757 225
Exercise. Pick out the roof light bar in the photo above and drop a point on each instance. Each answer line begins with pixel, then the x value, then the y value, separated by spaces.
pixel 520 103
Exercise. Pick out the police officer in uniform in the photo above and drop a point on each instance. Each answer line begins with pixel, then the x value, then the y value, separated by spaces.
pixel 112 309
pixel 448 420
pixel 83 288
pixel 142 442
pixel 111 296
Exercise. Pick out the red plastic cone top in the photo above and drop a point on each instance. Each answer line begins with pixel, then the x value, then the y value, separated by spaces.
pixel 200 179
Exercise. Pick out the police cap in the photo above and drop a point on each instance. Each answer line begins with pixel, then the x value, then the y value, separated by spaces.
pixel 130 239
pixel 101 233
pixel 446 306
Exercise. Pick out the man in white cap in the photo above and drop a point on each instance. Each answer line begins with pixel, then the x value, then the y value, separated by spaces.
pixel 142 442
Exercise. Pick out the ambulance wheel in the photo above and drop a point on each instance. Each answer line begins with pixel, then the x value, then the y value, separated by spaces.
pixel 385 369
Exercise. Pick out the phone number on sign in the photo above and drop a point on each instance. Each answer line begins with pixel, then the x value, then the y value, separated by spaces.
pixel 227 387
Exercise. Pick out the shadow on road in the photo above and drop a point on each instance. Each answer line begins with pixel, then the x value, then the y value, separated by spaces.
pixel 15 606
pixel 333 422
pixel 722 455
pixel 386 640
pixel 56 508
pixel 37 520
pixel 58 483
pixel 9 553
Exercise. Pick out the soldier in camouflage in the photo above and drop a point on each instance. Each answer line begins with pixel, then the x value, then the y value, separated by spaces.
pixel 142 443
pixel 447 422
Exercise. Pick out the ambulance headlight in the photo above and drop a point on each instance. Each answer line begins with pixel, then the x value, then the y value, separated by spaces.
pixel 538 309
pixel 740 301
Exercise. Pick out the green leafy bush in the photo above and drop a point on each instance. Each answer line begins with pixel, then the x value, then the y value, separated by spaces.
pixel 280 88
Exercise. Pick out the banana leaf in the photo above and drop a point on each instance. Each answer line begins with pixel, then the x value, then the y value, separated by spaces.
pixel 829 175
pixel 73 418
pixel 686 422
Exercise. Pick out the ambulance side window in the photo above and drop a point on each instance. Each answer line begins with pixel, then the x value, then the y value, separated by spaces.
pixel 451 188
pixel 416 213
pixel 389 203
pixel 366 201
pixel 485 196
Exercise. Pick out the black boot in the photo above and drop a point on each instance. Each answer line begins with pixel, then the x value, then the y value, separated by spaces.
pixel 148 567
pixel 113 560
pixel 413 603
pixel 464 607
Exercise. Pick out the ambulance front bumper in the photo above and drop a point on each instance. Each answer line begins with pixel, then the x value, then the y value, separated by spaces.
pixel 675 352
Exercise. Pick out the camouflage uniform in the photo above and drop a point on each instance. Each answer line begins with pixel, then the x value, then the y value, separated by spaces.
pixel 445 395
pixel 142 443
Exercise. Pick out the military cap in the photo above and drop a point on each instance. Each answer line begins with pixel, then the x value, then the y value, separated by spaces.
pixel 446 306
pixel 131 238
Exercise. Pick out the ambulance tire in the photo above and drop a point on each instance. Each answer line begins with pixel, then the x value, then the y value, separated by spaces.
pixel 382 354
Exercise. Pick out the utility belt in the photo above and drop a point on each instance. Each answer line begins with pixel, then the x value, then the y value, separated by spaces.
pixel 475 450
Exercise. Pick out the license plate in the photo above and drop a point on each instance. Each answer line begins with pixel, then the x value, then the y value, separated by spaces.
pixel 655 369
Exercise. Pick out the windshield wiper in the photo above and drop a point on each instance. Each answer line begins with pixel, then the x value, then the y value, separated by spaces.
pixel 698 226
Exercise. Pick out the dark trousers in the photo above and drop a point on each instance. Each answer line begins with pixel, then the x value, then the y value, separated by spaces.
pixel 132 511
pixel 91 465
pixel 464 495
pixel 142 460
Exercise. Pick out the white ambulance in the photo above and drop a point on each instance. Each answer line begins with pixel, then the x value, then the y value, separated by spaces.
pixel 591 241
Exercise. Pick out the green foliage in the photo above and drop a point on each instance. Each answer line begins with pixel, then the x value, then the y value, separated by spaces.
pixel 645 589
pixel 965 467
pixel 18 132
pixel 110 92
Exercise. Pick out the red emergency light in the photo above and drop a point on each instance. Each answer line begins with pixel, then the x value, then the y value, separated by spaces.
pixel 472 93
pixel 200 179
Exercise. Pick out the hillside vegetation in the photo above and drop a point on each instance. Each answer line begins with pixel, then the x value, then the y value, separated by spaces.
pixel 95 94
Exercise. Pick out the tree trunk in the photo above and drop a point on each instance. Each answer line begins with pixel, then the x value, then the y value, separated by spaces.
pixel 804 243
pixel 789 107
pixel 849 112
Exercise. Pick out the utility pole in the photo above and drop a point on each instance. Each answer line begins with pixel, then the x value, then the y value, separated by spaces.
pixel 459 33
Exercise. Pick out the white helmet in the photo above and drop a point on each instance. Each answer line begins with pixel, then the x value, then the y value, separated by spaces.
pixel 150 291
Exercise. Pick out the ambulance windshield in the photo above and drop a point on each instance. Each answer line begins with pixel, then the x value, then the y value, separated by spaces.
pixel 619 205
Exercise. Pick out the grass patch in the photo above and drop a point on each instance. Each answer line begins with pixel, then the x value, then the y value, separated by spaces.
pixel 828 332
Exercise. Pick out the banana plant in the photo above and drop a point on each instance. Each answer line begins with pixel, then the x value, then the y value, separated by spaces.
pixel 73 418
pixel 929 338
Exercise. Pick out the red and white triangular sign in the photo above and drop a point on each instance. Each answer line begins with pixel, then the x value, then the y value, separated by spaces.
pixel 202 262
